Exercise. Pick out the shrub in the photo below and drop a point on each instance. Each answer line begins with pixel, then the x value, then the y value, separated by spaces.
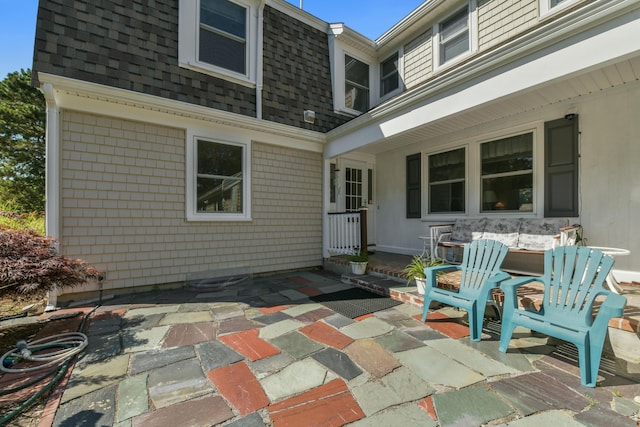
pixel 29 262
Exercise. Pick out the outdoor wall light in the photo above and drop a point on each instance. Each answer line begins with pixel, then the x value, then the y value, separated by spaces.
pixel 309 116
pixel 569 116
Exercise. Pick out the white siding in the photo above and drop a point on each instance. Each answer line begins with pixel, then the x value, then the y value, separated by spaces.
pixel 123 206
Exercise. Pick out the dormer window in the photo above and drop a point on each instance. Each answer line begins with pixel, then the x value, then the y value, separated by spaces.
pixel 223 35
pixel 218 37
pixel 454 37
pixel 356 85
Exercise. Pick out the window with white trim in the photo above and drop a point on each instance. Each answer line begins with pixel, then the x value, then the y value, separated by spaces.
pixel 217 37
pixel 356 84
pixel 506 174
pixel 454 37
pixel 389 75
pixel 447 181
pixel 219 184
pixel 552 6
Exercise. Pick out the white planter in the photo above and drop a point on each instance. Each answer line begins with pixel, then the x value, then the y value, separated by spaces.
pixel 421 282
pixel 358 268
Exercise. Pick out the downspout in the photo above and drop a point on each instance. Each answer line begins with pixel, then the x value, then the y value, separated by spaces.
pixel 52 176
pixel 259 53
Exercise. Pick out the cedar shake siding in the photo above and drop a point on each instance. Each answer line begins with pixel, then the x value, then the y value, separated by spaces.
pixel 297 74
pixel 123 206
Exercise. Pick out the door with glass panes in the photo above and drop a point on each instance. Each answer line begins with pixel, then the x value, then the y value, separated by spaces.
pixel 357 181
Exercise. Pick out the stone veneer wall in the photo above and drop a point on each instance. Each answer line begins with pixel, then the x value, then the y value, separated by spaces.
pixel 123 206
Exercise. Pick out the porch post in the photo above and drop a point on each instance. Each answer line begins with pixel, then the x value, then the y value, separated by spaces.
pixel 364 244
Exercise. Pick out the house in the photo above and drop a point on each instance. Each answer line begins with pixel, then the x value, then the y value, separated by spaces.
pixel 188 136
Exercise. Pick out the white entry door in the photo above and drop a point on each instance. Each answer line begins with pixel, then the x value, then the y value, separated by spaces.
pixel 356 183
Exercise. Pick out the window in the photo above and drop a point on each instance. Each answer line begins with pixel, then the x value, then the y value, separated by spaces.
pixel 219 188
pixel 223 35
pixel 414 202
pixel 356 85
pixel 507 174
pixel 447 182
pixel 454 37
pixel 389 76
pixel 217 37
pixel 552 6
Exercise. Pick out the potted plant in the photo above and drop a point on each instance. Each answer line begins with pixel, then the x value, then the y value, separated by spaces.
pixel 359 262
pixel 415 271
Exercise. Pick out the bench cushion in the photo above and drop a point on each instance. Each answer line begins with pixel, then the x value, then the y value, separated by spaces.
pixel 466 230
pixel 540 234
pixel 504 230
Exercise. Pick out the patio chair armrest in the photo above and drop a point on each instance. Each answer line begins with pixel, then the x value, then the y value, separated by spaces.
pixel 498 278
pixel 509 288
pixel 612 306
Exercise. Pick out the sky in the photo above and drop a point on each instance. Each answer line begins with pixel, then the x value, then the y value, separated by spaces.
pixel 371 18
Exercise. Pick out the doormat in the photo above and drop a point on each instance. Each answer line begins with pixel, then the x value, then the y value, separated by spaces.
pixel 355 302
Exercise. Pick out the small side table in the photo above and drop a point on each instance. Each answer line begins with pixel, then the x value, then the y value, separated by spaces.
pixel 614 252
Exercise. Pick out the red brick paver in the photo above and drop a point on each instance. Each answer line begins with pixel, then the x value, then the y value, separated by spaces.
pixel 427 406
pixel 238 385
pixel 308 290
pixel 330 405
pixel 270 310
pixel 250 345
pixel 326 334
pixel 445 325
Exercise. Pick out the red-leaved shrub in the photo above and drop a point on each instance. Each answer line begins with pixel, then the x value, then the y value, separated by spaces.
pixel 29 262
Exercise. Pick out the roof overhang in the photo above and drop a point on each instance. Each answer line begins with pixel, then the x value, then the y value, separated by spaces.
pixel 593 49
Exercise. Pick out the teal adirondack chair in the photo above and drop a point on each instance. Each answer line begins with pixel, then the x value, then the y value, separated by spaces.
pixel 480 274
pixel 573 278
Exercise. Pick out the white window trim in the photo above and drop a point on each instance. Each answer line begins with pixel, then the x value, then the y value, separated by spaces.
pixel 191 177
pixel 473 179
pixel 188 36
pixel 547 10
pixel 473 36
pixel 379 96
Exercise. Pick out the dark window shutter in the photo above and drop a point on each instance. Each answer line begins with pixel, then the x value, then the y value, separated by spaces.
pixel 561 167
pixel 414 191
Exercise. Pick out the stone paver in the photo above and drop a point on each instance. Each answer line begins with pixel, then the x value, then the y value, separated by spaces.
pixel 96 376
pixel 177 382
pixel 143 339
pixel 328 405
pixel 300 363
pixel 237 384
pixel 326 334
pixel 280 328
pixel 406 415
pixel 471 406
pixel 215 355
pixel 189 334
pixel 145 361
pixel 367 328
pixel 398 387
pixel 372 357
pixel 338 362
pixel 293 379
pixel 95 408
pixel 188 317
pixel 203 412
pixel 132 397
pixel 297 345
pixel 250 345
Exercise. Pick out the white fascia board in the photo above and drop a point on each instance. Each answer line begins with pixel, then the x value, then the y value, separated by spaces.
pixel 105 100
pixel 454 93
